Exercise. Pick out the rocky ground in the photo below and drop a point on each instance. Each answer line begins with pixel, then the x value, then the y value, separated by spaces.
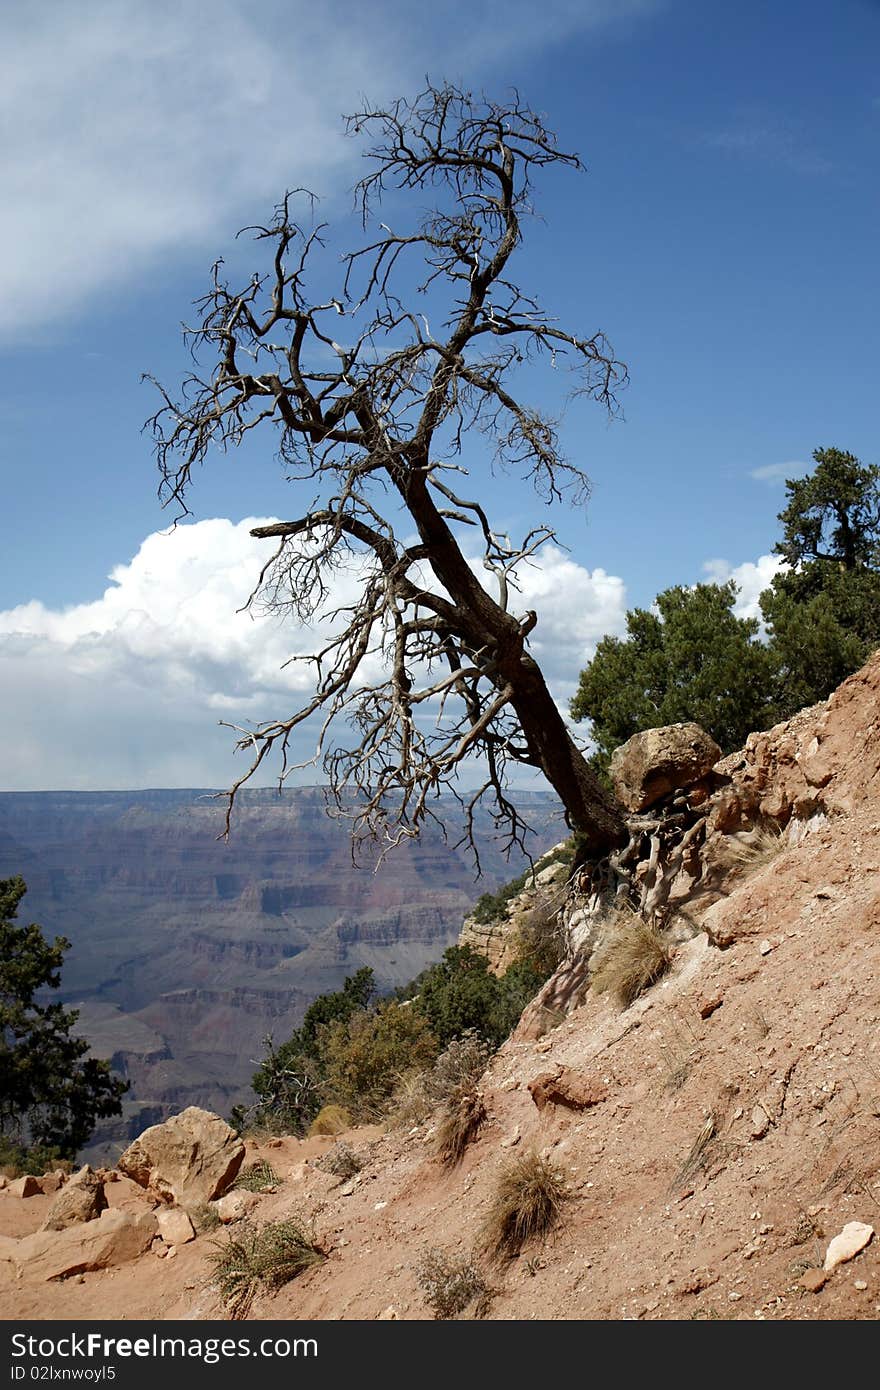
pixel 715 1136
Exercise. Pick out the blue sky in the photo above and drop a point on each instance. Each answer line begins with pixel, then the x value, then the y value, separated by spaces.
pixel 724 237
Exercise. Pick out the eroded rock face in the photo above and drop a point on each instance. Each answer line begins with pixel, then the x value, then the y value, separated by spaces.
pixel 569 1088
pixel 192 1158
pixel 658 761
pixel 82 1199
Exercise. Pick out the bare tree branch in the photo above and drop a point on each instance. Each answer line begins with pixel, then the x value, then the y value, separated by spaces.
pixel 372 406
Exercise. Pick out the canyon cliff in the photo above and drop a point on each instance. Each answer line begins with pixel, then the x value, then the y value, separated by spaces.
pixel 187 950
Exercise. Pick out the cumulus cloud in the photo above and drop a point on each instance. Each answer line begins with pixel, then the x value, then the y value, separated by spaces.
pixel 127 690
pixel 134 132
pixel 752 578
pixel 576 608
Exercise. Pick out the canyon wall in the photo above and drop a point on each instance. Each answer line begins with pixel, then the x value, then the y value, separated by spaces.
pixel 188 950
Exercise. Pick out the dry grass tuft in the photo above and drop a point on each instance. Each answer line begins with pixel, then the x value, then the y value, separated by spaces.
pixel 262 1259
pixel 633 958
pixel 698 1154
pixel 450 1286
pixel 678 1067
pixel 679 1051
pixel 528 1203
pixel 341 1161
pixel 462 1117
pixel 257 1177
pixel 330 1119
pixel 750 849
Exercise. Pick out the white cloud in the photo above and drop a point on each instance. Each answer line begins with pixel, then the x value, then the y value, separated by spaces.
pixel 576 607
pixel 752 578
pixel 779 472
pixel 137 131
pixel 126 691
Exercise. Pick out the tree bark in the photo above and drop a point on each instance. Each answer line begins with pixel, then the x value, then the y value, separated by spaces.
pixel 588 807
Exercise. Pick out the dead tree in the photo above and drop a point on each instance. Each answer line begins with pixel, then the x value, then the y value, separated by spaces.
pixel 372 401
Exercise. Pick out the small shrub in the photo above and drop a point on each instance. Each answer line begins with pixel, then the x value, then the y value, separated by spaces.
pixel 288 1092
pixel 17 1160
pixel 257 1177
pixel 450 1286
pixel 633 958
pixel 460 994
pixel 462 1117
pixel 366 1057
pixel 330 1119
pixel 460 1064
pixel 204 1218
pixel 341 1161
pixel 540 940
pixel 262 1259
pixel 491 907
pixel 528 1203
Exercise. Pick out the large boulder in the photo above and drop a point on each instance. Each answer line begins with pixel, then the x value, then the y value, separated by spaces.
pixel 82 1199
pixel 651 764
pixel 192 1158
pixel 115 1238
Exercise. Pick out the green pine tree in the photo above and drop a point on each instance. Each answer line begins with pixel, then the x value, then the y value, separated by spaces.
pixel 692 659
pixel 51 1091
pixel 823 611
